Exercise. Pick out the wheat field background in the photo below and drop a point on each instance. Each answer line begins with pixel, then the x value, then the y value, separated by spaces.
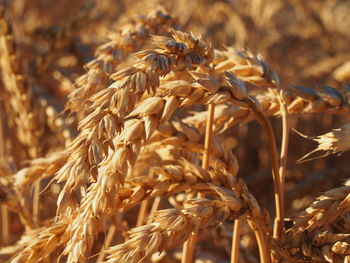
pixel 174 131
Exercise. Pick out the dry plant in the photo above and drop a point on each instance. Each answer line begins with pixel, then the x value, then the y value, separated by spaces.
pixel 171 141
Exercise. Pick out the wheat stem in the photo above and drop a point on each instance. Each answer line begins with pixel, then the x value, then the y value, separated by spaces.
pixel 265 123
pixel 107 243
pixel 5 225
pixel 154 208
pixel 142 213
pixel 262 244
pixel 285 142
pixel 236 240
pixel 189 245
pixel 36 200
pixel 4 210
pixel 208 136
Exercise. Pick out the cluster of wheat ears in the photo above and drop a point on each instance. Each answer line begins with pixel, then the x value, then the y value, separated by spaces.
pixel 141 165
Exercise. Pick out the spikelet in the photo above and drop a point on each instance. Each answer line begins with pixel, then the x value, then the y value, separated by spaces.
pixel 335 141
